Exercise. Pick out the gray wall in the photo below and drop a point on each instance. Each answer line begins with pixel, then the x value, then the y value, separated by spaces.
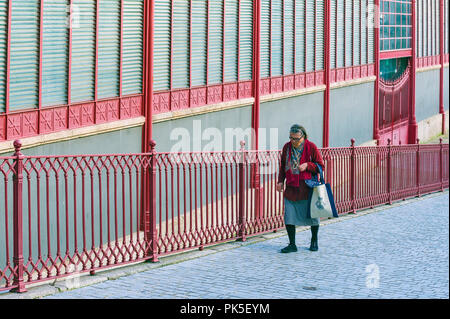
pixel 446 88
pixel 202 130
pixel 427 94
pixel 351 114
pixel 306 110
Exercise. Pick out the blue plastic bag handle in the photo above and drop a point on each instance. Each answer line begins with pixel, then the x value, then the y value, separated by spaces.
pixel 322 180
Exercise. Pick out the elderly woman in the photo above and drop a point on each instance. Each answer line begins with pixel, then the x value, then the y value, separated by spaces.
pixel 298 160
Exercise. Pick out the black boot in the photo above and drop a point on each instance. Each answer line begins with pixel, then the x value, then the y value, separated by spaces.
pixel 291 234
pixel 314 241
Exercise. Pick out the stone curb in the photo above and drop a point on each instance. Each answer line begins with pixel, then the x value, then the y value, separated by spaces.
pixel 60 285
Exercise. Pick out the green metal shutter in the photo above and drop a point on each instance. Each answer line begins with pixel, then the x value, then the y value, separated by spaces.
pixel 340 33
pixel 310 29
pixel 246 40
pixel 108 49
pixel 199 42
pixel 82 85
pixel 231 40
pixel 446 26
pixel 288 37
pixel 265 38
pixel 132 46
pixel 161 64
pixel 3 52
pixel 277 38
pixel 24 63
pixel 319 26
pixel 215 42
pixel 364 27
pixel 180 45
pixel 300 36
pixel 370 36
pixel 348 32
pixel 356 32
pixel 333 16
pixel 55 52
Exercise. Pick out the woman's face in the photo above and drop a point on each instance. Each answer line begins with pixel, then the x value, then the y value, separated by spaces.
pixel 296 139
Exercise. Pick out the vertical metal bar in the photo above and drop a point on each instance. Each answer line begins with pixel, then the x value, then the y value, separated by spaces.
pixel 121 48
pixel 441 61
pixel 97 37
pixel 207 44
pixel 412 125
pixel 150 229
pixel 242 193
pixel 376 102
pixel 69 64
pixel 353 177
pixel 305 33
pixel 171 49
pixel 295 37
pixel 326 106
pixel 41 39
pixel 441 164
pixel 418 168
pixel 18 219
pixel 8 61
pixel 389 164
pixel 238 43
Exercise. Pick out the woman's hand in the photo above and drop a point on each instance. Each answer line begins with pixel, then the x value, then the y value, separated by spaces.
pixel 280 187
pixel 303 167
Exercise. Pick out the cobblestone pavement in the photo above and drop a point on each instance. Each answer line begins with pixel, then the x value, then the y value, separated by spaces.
pixel 399 252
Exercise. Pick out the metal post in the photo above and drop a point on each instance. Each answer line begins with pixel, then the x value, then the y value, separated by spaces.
pixel 389 172
pixel 353 177
pixel 441 164
pixel 242 192
pixel 18 219
pixel 418 168
pixel 150 227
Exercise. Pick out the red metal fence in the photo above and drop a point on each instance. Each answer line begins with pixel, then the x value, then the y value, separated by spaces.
pixel 66 214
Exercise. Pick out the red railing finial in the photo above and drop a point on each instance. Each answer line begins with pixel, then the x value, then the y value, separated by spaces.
pixel 353 142
pixel 242 144
pixel 17 146
pixel 152 144
pixel 389 142
pixel 417 140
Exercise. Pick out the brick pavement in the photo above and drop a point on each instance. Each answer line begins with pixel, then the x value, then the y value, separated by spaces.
pixel 393 252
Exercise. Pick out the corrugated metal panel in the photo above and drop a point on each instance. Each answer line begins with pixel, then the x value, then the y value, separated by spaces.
pixel 277 38
pixel 356 33
pixel 446 26
pixel 333 15
pixel 3 52
pixel 246 40
pixel 300 36
pixel 161 64
pixel 54 54
pixel 24 75
pixel 108 49
pixel 320 47
pixel 231 40
pixel 428 28
pixel 437 28
pixel 199 42
pixel 215 42
pixel 348 32
pixel 370 36
pixel 265 38
pixel 83 52
pixel 180 45
pixel 364 27
pixel 132 46
pixel 340 33
pixel 310 28
pixel 288 37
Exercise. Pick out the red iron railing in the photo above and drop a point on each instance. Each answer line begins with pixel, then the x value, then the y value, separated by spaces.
pixel 82 213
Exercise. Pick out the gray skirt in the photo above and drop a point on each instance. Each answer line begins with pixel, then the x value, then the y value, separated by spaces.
pixel 295 214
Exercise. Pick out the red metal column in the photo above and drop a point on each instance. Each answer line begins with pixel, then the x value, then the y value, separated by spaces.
pixel 376 102
pixel 326 99
pixel 441 59
pixel 150 227
pixel 256 104
pixel 412 125
pixel 18 220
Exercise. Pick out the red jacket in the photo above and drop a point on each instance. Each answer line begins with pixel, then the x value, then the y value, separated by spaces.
pixel 310 155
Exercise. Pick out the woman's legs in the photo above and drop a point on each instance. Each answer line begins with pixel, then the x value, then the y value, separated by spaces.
pixel 291 234
pixel 314 240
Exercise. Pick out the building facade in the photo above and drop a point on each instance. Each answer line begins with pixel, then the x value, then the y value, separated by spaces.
pixel 76 74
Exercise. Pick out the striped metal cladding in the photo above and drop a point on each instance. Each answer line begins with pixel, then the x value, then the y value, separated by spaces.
pixel 3 52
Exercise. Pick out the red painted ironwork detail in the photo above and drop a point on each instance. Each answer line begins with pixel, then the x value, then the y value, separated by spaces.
pixel 30 123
